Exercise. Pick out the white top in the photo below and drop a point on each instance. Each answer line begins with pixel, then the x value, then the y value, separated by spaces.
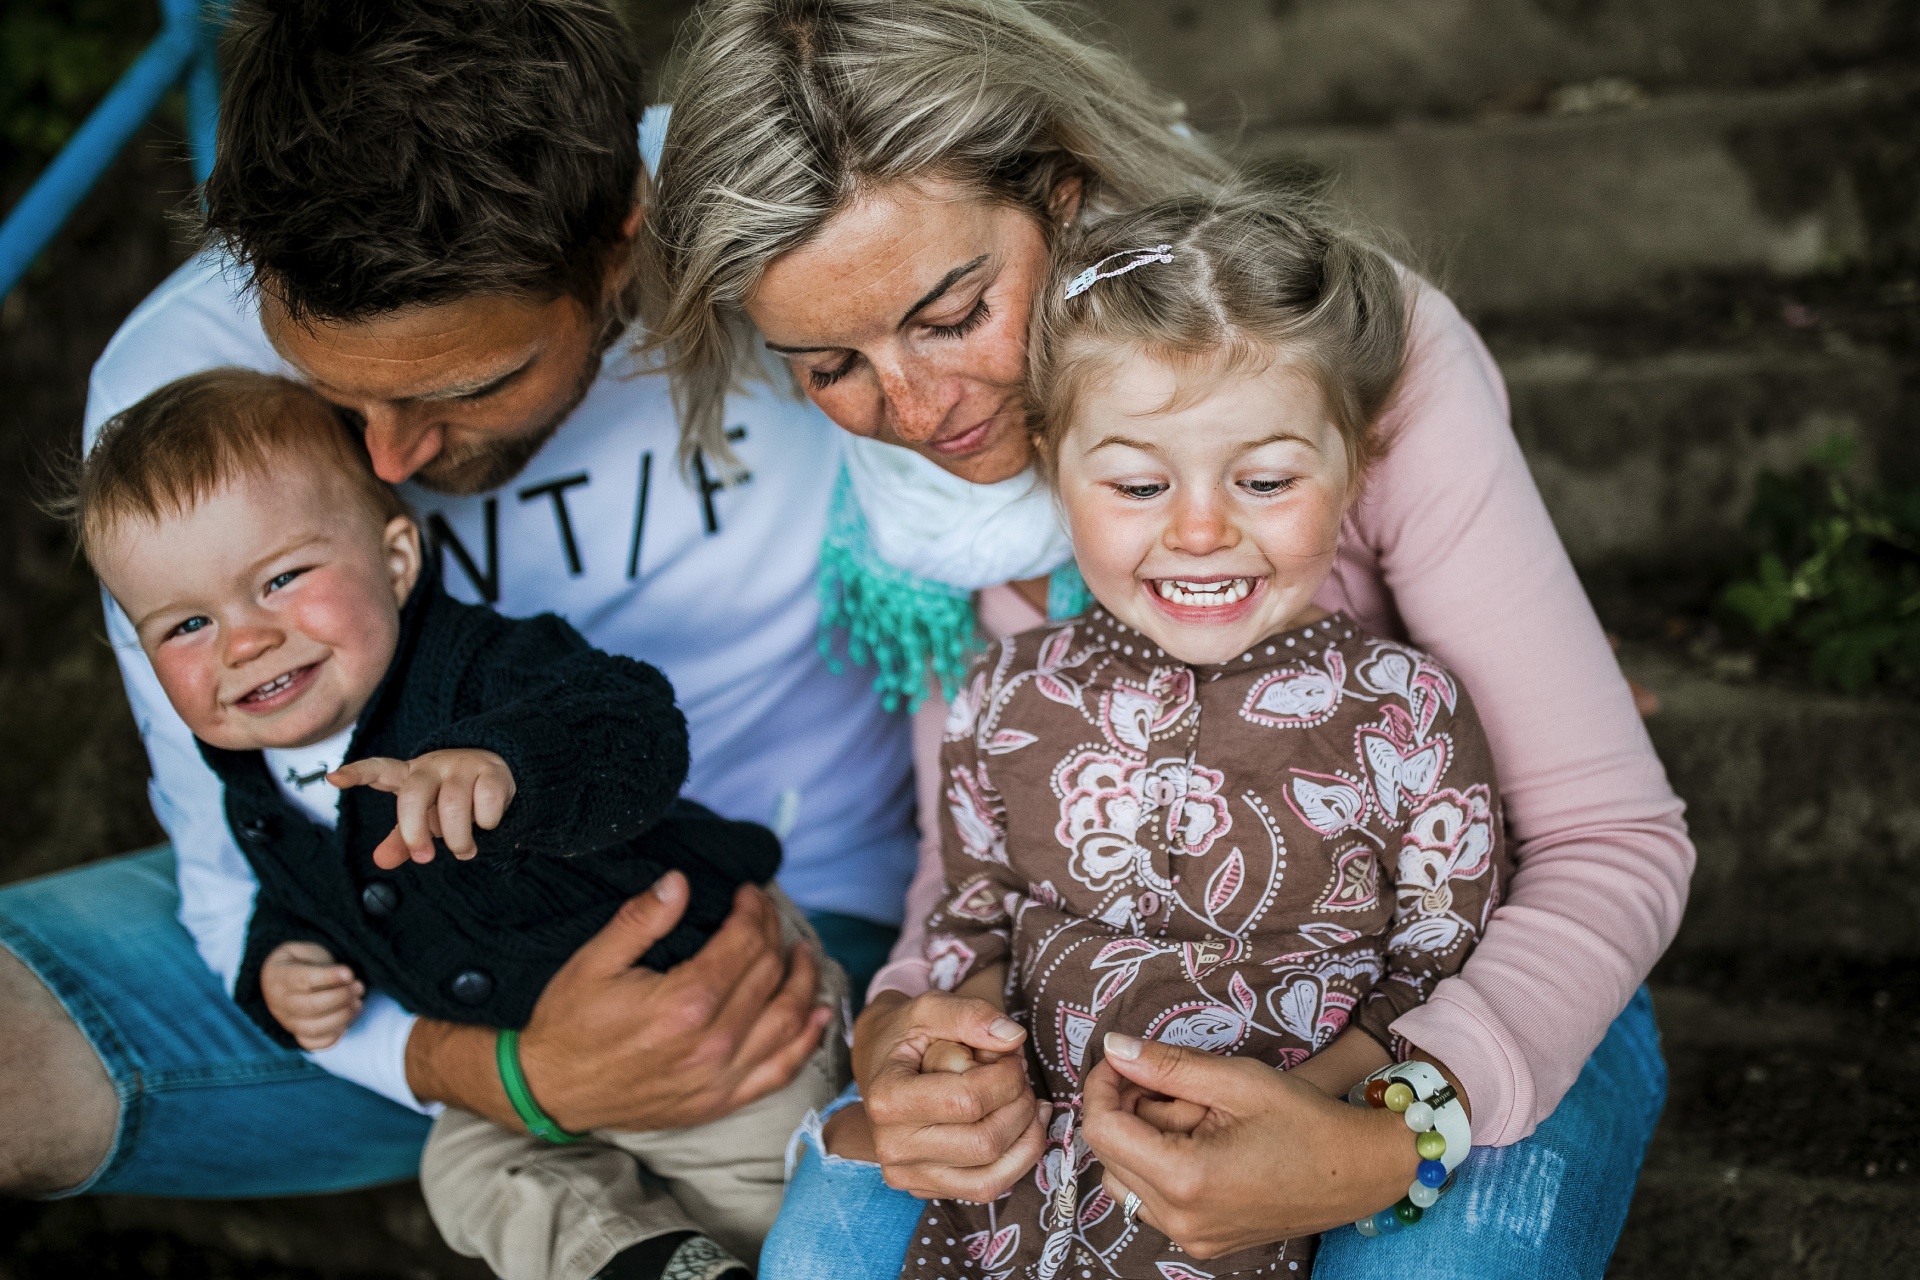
pixel 301 774
pixel 714 584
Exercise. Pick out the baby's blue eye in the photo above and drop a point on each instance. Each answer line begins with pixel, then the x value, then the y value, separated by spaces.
pixel 282 579
pixel 190 626
pixel 1270 486
pixel 1140 490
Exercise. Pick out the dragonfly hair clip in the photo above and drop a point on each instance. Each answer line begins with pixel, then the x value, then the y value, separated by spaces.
pixel 1137 258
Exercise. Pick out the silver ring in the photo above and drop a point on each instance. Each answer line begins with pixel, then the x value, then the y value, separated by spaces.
pixel 1129 1207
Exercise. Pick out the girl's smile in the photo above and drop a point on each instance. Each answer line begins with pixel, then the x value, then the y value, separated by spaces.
pixel 1207 601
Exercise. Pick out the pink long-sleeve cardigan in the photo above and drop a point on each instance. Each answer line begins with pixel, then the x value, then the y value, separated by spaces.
pixel 1450 547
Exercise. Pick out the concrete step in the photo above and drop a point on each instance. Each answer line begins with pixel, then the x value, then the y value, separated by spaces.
pixel 1787 1146
pixel 1547 211
pixel 1806 1081
pixel 1804 806
pixel 1689 1223
pixel 1302 61
pixel 382 1234
pixel 1655 457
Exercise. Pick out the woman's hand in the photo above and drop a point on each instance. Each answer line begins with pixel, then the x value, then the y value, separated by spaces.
pixel 1227 1153
pixel 943 1135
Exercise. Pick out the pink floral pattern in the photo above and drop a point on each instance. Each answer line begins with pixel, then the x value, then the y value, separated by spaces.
pixel 1243 859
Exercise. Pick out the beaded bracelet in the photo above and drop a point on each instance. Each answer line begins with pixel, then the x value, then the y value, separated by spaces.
pixel 1418 1093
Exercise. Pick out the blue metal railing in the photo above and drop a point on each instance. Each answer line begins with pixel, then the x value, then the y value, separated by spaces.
pixel 181 55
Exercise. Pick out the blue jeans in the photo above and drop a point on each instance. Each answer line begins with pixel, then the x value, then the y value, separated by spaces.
pixel 1550 1206
pixel 209 1106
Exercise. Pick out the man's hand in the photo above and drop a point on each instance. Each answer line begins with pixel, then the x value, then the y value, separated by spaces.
pixel 612 1046
pixel 309 993
pixel 442 793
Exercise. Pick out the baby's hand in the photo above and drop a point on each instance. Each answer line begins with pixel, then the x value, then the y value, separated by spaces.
pixel 310 994
pixel 443 793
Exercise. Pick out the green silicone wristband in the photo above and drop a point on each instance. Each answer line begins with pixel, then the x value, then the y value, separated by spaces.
pixel 506 1054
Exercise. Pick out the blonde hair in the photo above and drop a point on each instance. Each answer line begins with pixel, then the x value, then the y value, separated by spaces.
pixel 784 110
pixel 1256 277
pixel 191 438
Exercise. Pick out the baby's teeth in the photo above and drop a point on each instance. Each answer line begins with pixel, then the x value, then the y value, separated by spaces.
pixel 273 686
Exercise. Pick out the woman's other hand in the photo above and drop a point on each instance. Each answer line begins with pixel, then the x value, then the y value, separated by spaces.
pixel 943 1134
pixel 1228 1153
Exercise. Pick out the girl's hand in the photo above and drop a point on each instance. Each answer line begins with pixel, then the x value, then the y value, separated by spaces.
pixel 442 793
pixel 954 1059
pixel 1227 1153
pixel 940 1134
pixel 309 993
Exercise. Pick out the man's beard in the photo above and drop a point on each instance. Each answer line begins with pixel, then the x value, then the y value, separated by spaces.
pixel 476 468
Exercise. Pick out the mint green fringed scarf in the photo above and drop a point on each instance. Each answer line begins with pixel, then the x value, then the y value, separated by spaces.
pixel 905 626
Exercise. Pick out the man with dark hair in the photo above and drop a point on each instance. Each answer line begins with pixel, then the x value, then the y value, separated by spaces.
pixel 424 208
pixel 495 181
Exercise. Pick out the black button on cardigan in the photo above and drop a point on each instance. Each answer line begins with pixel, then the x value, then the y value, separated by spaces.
pixel 471 986
pixel 379 899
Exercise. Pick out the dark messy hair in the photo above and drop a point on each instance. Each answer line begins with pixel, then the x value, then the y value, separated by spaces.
pixel 378 154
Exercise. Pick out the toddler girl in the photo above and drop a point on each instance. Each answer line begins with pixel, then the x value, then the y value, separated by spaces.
pixel 1207 811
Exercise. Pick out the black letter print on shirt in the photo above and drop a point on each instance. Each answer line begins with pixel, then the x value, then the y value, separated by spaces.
pixel 709 487
pixel 441 536
pixel 557 490
pixel 640 514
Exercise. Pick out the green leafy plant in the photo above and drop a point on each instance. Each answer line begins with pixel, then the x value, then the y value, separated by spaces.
pixel 1838 576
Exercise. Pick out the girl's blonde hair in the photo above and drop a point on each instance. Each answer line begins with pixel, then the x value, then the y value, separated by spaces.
pixel 784 110
pixel 1256 277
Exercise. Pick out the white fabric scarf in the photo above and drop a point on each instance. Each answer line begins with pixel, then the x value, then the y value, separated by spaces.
pixel 934 525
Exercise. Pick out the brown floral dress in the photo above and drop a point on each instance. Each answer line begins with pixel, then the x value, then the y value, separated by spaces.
pixel 1241 858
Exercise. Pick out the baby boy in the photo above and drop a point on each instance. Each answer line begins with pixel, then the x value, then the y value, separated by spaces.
pixel 362 722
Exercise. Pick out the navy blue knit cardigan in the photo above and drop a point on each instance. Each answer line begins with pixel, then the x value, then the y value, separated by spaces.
pixel 598 753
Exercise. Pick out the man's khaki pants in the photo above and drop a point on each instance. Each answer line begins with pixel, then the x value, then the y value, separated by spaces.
pixel 535 1211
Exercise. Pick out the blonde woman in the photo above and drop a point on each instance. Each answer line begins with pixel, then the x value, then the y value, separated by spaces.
pixel 871 190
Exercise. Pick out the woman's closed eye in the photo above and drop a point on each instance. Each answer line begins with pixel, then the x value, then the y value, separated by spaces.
pixel 821 379
pixel 966 324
